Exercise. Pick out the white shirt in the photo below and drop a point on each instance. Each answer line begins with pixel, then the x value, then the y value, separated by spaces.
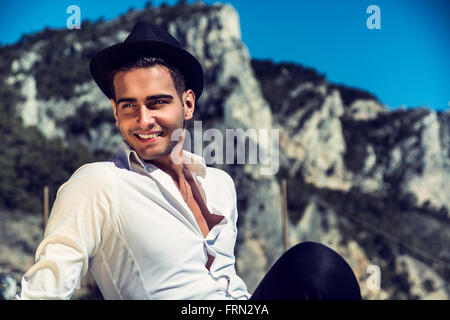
pixel 126 222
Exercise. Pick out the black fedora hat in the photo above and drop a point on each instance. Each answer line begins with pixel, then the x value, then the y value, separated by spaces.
pixel 146 39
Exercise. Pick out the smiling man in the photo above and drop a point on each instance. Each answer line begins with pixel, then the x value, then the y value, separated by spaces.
pixel 147 122
pixel 150 104
pixel 155 222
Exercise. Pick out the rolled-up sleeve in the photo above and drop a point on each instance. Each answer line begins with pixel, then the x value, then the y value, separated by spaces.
pixel 80 218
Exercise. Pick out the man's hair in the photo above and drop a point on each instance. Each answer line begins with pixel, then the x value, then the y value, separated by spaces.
pixel 147 62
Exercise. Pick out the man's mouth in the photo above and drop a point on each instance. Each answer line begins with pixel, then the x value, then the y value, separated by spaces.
pixel 149 136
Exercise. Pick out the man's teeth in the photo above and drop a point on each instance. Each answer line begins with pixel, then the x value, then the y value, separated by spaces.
pixel 149 136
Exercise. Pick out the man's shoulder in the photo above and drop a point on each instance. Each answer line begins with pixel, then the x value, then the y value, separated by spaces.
pixel 216 173
pixel 94 169
pixel 220 182
pixel 220 185
pixel 91 177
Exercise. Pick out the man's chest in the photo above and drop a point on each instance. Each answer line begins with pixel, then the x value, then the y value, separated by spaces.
pixel 157 219
pixel 204 218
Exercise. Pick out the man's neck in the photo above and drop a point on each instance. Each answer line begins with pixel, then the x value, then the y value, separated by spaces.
pixel 173 169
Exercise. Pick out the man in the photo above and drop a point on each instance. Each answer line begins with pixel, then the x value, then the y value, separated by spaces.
pixel 155 222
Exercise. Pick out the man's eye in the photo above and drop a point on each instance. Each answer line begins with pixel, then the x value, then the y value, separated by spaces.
pixel 155 102
pixel 127 105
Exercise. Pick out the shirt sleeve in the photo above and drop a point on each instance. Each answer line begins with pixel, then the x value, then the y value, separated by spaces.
pixel 81 216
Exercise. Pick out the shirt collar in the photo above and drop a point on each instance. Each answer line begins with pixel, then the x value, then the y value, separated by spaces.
pixel 128 158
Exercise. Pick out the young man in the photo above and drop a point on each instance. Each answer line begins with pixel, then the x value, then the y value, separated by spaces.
pixel 155 222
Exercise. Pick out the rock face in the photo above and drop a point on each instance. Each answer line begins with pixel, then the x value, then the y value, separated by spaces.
pixel 355 171
pixel 19 237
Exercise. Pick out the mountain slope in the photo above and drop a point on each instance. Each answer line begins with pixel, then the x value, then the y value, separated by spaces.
pixel 364 180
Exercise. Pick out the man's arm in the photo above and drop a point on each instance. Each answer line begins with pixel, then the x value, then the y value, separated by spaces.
pixel 80 216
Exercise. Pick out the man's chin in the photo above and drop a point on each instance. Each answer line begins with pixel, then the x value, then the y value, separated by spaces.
pixel 148 156
pixel 154 155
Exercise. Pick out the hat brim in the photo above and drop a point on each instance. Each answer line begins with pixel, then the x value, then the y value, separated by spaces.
pixel 105 61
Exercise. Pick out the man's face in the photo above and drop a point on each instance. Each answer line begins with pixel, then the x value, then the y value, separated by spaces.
pixel 147 103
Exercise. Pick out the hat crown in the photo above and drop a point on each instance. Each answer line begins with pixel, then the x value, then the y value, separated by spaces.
pixel 146 31
pixel 146 39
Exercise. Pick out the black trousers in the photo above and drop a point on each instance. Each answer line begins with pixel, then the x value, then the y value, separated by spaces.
pixel 309 271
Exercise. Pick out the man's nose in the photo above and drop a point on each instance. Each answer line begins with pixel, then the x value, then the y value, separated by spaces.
pixel 146 116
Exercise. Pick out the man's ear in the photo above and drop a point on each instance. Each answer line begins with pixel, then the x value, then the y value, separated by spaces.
pixel 188 104
pixel 114 106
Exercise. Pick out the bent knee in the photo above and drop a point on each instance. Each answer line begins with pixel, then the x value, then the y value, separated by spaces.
pixel 313 257
pixel 310 248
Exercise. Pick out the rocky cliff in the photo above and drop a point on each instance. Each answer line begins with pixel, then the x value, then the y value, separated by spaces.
pixel 366 181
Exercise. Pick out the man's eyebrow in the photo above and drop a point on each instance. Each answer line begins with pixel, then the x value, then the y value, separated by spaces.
pixel 126 100
pixel 152 97
pixel 159 96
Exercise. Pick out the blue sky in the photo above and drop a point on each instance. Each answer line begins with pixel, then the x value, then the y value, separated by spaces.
pixel 405 63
